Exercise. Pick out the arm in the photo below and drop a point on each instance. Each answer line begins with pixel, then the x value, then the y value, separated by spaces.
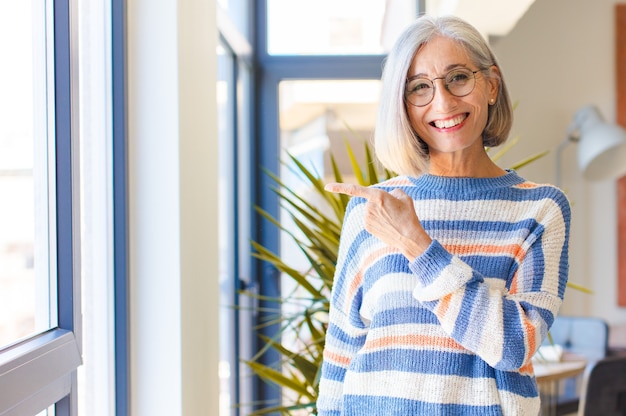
pixel 503 326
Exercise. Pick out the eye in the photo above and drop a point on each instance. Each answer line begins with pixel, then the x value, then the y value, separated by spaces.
pixel 419 87
pixel 458 77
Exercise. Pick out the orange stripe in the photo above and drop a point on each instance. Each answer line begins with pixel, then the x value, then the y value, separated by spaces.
pixel 527 185
pixel 514 250
pixel 368 261
pixel 414 341
pixel 530 334
pixel 528 368
pixel 398 180
pixel 444 304
pixel 336 358
pixel 513 288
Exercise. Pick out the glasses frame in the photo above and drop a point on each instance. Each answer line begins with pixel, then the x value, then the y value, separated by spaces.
pixel 445 84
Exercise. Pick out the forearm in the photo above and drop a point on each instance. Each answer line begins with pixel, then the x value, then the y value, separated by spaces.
pixel 483 315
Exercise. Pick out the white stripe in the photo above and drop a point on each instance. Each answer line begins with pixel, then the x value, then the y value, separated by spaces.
pixel 514 405
pixel 480 210
pixel 453 276
pixel 428 388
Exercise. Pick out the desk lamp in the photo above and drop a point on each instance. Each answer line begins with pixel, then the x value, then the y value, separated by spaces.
pixel 601 146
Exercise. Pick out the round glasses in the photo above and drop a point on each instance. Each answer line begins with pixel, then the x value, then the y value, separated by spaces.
pixel 459 82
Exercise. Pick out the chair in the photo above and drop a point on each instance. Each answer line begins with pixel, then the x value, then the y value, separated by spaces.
pixel 581 335
pixel 584 336
pixel 604 388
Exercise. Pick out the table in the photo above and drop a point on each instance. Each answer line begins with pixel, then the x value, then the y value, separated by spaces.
pixel 555 371
pixel 549 374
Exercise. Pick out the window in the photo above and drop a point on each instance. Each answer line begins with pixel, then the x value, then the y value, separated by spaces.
pixel 318 87
pixel 26 173
pixel 330 27
pixel 38 359
pixel 234 100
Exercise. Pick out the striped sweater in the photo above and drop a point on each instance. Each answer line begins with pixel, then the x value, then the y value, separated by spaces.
pixel 454 331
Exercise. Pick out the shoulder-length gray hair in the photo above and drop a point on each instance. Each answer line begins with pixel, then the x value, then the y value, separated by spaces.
pixel 398 147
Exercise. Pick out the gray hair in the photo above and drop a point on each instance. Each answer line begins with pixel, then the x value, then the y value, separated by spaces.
pixel 398 147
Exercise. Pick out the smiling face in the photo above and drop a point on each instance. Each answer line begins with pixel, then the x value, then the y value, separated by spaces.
pixel 451 126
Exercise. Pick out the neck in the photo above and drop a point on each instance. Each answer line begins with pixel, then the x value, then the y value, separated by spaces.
pixel 480 166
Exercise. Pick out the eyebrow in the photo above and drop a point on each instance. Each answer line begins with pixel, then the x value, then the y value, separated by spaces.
pixel 447 69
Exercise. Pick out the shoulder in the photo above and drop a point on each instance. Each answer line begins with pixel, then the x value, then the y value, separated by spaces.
pixel 542 190
pixel 395 182
pixel 549 196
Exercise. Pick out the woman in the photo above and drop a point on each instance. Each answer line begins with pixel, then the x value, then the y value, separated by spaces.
pixel 450 275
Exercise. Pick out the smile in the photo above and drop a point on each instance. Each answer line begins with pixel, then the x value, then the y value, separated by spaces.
pixel 451 122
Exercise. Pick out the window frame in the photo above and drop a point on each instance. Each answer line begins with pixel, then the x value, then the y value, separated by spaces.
pixel 120 209
pixel 40 371
pixel 241 97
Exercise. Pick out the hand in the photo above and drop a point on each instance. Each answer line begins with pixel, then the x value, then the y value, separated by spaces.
pixel 389 216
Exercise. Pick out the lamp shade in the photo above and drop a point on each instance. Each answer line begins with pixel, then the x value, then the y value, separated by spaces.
pixel 601 147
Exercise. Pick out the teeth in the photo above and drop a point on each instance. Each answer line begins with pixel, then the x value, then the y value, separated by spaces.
pixel 446 124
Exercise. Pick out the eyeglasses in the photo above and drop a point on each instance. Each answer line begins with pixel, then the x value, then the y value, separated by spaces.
pixel 459 82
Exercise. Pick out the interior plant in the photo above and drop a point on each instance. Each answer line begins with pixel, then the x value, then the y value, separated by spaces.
pixel 302 314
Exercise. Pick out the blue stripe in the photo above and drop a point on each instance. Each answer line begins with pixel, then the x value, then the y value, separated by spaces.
pixel 396 262
pixel 423 362
pixel 393 406
pixel 404 314
pixel 442 363
pixel 335 332
pixel 502 267
pixel 333 372
pixel 485 229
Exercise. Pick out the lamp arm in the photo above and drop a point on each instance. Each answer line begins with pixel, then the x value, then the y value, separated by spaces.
pixel 559 154
pixel 572 135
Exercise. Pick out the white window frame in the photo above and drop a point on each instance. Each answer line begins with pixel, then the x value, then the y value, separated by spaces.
pixel 40 371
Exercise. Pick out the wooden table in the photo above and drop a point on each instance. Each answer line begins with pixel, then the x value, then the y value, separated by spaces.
pixel 549 374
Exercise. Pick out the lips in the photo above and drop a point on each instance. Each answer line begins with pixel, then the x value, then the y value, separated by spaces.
pixel 449 123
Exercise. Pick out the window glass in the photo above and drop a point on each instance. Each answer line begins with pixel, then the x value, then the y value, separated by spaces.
pixel 48 412
pixel 238 12
pixel 26 166
pixel 317 118
pixel 325 27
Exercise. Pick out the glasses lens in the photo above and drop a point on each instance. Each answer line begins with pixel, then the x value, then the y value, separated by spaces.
pixel 419 91
pixel 460 82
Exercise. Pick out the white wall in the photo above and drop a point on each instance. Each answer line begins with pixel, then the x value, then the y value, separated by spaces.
pixel 558 58
pixel 172 119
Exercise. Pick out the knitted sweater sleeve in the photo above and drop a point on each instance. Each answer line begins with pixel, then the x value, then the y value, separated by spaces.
pixel 346 328
pixel 503 325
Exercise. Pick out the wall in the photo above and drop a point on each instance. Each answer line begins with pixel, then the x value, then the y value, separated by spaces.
pixel 558 58
pixel 173 248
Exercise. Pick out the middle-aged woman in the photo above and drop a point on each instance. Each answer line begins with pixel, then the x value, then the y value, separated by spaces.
pixel 449 275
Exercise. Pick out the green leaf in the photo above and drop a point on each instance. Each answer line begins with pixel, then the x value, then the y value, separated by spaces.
pixel 580 288
pixel 279 378
pixel 529 160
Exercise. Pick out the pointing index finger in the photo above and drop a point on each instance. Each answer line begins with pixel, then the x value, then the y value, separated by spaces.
pixel 349 189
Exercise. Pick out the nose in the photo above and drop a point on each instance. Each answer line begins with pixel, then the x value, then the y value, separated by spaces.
pixel 443 100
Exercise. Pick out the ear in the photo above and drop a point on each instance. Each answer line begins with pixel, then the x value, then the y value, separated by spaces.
pixel 494 82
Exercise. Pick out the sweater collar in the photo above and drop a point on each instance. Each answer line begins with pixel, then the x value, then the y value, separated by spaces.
pixel 449 184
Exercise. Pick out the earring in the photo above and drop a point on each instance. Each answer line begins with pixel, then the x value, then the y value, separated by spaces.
pixel 492 101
